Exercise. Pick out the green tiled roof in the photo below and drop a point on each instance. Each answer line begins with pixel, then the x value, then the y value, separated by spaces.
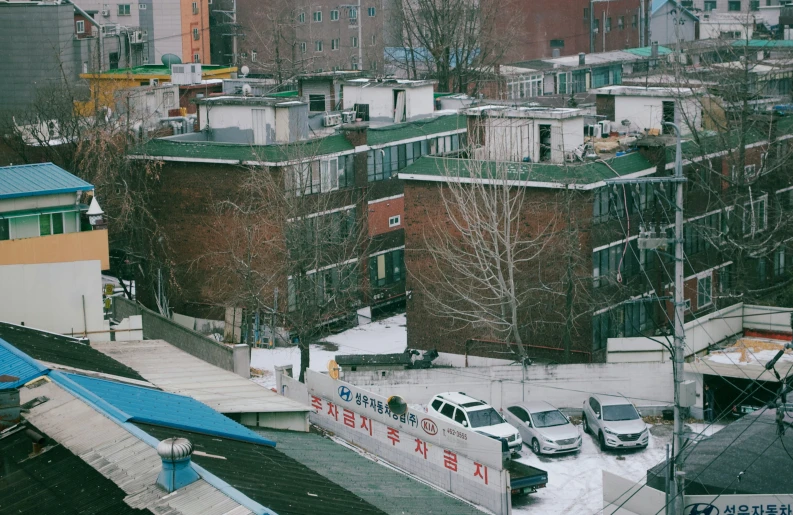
pixel 157 69
pixel 646 51
pixel 166 148
pixel 574 173
pixel 764 43
pixel 403 131
pixel 283 94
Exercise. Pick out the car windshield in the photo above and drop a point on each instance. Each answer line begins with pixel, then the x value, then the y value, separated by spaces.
pixel 549 418
pixel 485 417
pixel 620 412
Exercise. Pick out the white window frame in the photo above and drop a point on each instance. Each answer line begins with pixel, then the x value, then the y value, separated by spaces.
pixel 318 46
pixel 779 261
pixel 750 212
pixel 253 56
pixel 303 47
pixel 142 7
pixel 195 7
pixel 80 27
pixel 329 174
pixel 301 18
pixel 317 17
pixel 702 280
pixel 394 221
pixel 196 58
pixel 354 41
pixel 196 34
pixel 334 43
pixel 372 11
pixel 353 13
pixel 124 12
pixel 334 15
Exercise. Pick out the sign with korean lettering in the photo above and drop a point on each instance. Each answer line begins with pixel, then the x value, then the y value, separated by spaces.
pixel 418 424
pixel 414 441
pixel 738 505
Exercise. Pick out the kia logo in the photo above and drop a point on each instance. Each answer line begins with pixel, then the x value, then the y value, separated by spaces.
pixel 429 426
pixel 701 508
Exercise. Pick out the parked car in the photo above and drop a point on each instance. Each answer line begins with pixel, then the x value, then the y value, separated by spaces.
pixel 544 428
pixel 466 411
pixel 615 422
pixel 745 408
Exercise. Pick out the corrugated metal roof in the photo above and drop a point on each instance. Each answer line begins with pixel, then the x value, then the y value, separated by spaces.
pixel 38 179
pixel 176 371
pixel 120 456
pixel 158 408
pixel 17 368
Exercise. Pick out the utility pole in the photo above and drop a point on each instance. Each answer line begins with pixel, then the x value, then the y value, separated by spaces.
pixel 679 339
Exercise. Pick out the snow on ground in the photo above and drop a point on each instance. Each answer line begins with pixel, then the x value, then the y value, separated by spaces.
pixel 382 337
pixel 575 481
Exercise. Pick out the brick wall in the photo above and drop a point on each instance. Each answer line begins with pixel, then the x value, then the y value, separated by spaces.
pixel 382 211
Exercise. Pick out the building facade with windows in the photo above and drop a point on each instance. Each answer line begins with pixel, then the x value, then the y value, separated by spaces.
pixel 51 254
pixel 737 233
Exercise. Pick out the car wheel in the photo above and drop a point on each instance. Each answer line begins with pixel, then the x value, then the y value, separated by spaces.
pixel 535 446
pixel 584 422
pixel 602 440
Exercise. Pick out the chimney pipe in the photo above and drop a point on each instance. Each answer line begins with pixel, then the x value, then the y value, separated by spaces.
pixel 177 470
pixel 581 59
pixel 654 50
pixel 37 439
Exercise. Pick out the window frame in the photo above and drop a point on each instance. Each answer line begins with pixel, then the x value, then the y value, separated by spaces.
pixel 124 10
pixel 372 12
pixel 705 291
pixel 394 221
pixel 301 17
pixel 731 4
pixel 316 17
pixel 353 13
pixel 80 27
pixel 334 15
pixel 318 46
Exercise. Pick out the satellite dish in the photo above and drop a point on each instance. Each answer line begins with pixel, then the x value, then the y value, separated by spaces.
pixel 170 59
pixel 333 369
pixel 244 71
pixel 397 405
pixel 247 90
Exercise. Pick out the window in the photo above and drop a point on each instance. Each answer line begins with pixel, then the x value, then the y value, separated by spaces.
pixel 51 224
pixel 688 4
pixel 196 58
pixel 374 39
pixel 195 7
pixel 779 259
pixel 447 410
pixel 196 34
pixel 329 172
pixel 704 291
pixel 334 15
pixel 557 43
pixel 710 5
pixel 755 216
pixel 387 268
pixel 80 26
pixel 596 26
pixel 608 25
pixel 301 18
pixel 253 56
pixel 353 14
pixel 754 5
pixel 123 10
pixel 525 86
pixel 302 47
pixel 354 41
pixel 169 99
pixel 317 16
pixel 372 12
pixel 734 5
pixel 586 13
pixel 318 46
pixel 143 7
pixel 334 44
pixel 317 103
pixel 436 404
pixel 634 21
pixel 621 22
pixel 394 221
pixel 5 232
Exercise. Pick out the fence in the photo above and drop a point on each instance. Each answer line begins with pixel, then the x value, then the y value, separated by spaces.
pixel 235 358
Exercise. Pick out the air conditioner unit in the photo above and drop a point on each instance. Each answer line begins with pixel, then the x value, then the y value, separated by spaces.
pixel 105 13
pixel 332 120
pixel 593 131
pixel 348 116
pixel 605 127
pixel 137 36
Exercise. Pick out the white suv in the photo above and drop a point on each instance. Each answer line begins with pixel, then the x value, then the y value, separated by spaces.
pixel 468 412
pixel 615 422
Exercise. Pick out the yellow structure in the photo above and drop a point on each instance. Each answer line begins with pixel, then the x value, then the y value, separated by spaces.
pixel 105 85
pixel 57 248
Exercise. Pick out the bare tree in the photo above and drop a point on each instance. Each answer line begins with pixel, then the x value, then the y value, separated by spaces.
pixel 289 247
pixel 453 41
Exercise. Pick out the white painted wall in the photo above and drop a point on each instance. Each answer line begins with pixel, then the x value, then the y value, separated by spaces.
pixel 50 296
pixel 223 116
pixel 167 37
pixel 512 139
pixel 646 112
pixel 625 497
pixel 663 28
pixel 713 27
pixel 419 101
pixel 39 201
pixel 565 386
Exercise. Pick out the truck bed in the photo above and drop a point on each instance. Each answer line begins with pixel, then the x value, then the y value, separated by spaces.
pixel 525 478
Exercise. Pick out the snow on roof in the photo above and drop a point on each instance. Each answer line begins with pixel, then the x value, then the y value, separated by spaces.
pixel 750 351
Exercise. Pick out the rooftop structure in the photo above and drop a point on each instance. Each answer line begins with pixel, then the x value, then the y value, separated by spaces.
pixel 389 100
pixel 38 179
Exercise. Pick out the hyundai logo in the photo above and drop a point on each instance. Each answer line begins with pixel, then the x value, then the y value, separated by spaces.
pixel 429 426
pixel 345 393
pixel 701 508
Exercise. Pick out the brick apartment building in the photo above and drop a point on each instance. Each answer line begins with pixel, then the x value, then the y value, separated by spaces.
pixel 735 241
pixel 281 39
pixel 197 175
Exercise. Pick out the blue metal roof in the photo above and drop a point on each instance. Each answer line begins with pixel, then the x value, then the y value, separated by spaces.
pixel 38 179
pixel 131 403
pixel 16 364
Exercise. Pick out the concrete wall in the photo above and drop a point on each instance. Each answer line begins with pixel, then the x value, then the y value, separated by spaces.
pixel 235 358
pixel 565 386
pixel 625 497
pixel 49 296
pixel 512 139
pixel 419 101
pixel 766 318
pixel 646 112
pixel 39 201
pixel 663 26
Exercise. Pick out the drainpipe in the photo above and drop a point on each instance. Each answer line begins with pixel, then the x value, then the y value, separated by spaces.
pixel 591 26
pixel 95 23
pixel 642 21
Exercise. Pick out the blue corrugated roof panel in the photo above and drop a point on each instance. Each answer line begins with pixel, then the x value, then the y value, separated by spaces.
pixel 17 364
pixel 148 406
pixel 38 179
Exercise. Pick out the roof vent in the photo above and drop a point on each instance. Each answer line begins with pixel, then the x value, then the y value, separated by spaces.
pixel 177 471
pixel 654 49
